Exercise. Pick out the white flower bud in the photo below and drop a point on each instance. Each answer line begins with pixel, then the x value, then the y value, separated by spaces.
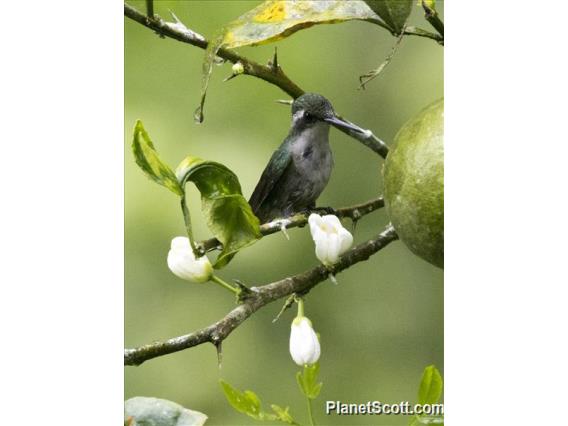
pixel 330 237
pixel 238 68
pixel 182 262
pixel 304 343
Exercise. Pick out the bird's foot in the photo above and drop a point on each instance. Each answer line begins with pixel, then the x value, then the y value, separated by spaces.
pixel 324 210
pixel 331 273
pixel 332 278
pixel 284 230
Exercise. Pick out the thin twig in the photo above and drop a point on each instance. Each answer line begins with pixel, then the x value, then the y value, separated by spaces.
pixel 366 78
pixel 432 16
pixel 354 212
pixel 423 33
pixel 150 8
pixel 260 297
pixel 410 31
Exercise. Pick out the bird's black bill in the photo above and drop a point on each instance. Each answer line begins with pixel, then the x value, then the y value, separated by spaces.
pixel 343 124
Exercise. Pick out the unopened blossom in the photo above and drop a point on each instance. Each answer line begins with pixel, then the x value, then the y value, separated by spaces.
pixel 330 237
pixel 304 343
pixel 182 262
pixel 238 68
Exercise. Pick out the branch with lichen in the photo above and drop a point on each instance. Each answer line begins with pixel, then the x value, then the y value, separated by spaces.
pixel 257 298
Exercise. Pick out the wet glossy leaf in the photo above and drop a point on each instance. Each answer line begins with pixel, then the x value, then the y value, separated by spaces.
pixel 274 20
pixel 227 212
pixel 148 160
pixel 393 12
pixel 142 411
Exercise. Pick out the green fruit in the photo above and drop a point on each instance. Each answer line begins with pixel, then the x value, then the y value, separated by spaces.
pixel 414 184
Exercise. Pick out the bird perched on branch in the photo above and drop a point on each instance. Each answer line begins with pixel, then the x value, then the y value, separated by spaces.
pixel 300 168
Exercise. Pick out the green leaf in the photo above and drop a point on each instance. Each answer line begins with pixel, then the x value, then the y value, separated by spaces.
pixel 142 411
pixel 282 414
pixel 246 402
pixel 275 20
pixel 307 381
pixel 429 393
pixel 430 386
pixel 393 12
pixel 228 214
pixel 148 160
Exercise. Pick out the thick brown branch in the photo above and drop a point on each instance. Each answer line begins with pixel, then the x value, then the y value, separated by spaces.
pixel 269 73
pixel 260 297
pixel 355 213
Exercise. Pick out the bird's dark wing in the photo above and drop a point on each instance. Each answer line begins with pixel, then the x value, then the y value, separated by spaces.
pixel 278 163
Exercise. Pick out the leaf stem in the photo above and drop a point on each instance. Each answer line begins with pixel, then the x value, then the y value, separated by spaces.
pixel 310 413
pixel 188 229
pixel 300 302
pixel 225 284
pixel 433 18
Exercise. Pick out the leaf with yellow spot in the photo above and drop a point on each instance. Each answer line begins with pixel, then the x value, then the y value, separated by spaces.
pixel 274 20
pixel 274 11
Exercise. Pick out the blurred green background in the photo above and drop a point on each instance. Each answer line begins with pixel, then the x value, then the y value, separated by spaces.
pixel 381 325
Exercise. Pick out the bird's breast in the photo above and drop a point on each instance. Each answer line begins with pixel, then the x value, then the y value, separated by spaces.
pixel 313 161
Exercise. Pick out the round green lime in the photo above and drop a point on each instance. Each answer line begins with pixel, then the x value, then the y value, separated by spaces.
pixel 414 184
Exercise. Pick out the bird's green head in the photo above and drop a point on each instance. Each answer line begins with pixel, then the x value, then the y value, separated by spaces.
pixel 313 105
pixel 311 108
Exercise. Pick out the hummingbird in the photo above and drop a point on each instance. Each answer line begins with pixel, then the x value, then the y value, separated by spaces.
pixel 300 168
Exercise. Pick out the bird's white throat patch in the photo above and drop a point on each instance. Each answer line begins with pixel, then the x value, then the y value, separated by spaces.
pixel 298 116
pixel 316 136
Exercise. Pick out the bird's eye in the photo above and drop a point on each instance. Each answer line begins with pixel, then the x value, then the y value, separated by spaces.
pixel 307 116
